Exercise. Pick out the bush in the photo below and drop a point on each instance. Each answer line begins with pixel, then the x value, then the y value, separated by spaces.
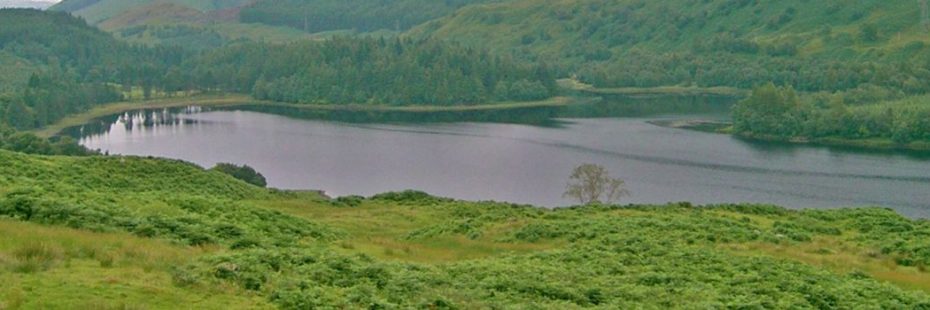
pixel 244 173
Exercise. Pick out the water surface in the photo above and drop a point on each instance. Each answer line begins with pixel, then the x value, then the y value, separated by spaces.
pixel 520 163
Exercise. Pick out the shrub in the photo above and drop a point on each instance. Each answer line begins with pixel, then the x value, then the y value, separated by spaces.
pixel 244 173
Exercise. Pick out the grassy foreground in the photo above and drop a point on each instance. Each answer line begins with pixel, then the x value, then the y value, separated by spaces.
pixel 123 232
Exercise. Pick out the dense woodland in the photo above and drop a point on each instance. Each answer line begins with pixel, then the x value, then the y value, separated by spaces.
pixel 360 15
pixel 69 75
pixel 782 112
pixel 69 67
pixel 375 71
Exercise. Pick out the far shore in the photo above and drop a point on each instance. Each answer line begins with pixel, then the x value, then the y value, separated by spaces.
pixel 231 100
pixel 720 127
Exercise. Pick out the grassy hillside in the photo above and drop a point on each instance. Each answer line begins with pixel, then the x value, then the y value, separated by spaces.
pixel 197 24
pixel 136 232
pixel 97 11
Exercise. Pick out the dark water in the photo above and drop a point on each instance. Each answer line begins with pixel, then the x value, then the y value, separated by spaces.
pixel 523 163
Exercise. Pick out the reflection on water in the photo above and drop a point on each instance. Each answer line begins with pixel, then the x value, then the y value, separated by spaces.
pixel 137 121
pixel 707 107
pixel 522 162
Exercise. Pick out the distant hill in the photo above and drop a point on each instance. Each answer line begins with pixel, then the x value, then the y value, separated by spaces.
pixel 832 45
pixel 658 42
pixel 361 15
pixel 579 28
pixel 202 24
pixel 192 23
pixel 98 11
pixel 32 4
pixel 32 40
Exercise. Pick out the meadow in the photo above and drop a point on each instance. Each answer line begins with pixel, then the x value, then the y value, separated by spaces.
pixel 139 233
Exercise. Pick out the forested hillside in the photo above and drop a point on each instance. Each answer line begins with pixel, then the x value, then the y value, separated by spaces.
pixel 812 46
pixel 192 24
pixel 361 15
pixel 59 65
pixel 97 11
pixel 373 71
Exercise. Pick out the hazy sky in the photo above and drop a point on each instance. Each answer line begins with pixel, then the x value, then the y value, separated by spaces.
pixel 26 3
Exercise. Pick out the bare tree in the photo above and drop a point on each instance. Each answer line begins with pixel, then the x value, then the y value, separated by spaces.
pixel 591 183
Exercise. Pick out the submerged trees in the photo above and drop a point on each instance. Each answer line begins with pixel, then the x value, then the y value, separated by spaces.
pixel 591 183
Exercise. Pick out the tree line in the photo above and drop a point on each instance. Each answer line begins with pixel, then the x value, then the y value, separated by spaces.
pixel 74 67
pixel 371 71
pixel 783 113
pixel 360 15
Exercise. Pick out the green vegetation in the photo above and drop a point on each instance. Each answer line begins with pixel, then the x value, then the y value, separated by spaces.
pixel 372 71
pixel 328 15
pixel 159 233
pixel 31 144
pixel 67 67
pixel 812 46
pixel 67 76
pixel 782 114
pixel 92 231
pixel 243 173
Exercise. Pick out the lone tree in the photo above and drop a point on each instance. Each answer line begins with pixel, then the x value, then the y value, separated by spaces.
pixel 591 184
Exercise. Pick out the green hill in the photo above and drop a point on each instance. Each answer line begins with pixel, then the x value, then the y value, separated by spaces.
pixel 196 24
pixel 31 40
pixel 127 232
pixel 361 15
pixel 822 45
pixel 98 11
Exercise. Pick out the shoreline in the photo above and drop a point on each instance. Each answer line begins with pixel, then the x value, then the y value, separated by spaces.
pixel 232 100
pixel 650 92
pixel 717 127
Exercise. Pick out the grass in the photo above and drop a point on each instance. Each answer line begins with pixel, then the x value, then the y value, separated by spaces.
pixel 60 268
pixel 842 257
pixel 575 85
pixel 138 217
pixel 382 230
pixel 863 144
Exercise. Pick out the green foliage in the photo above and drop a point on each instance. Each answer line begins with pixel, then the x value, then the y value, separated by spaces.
pixel 71 66
pixel 12 140
pixel 165 199
pixel 244 173
pixel 811 46
pixel 362 15
pixel 780 112
pixel 372 71
pixel 616 258
pixel 670 256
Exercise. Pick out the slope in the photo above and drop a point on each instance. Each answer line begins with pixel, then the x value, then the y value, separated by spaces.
pixel 614 43
pixel 190 232
pixel 196 24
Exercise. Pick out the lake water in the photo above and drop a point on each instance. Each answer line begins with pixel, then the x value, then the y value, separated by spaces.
pixel 520 163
